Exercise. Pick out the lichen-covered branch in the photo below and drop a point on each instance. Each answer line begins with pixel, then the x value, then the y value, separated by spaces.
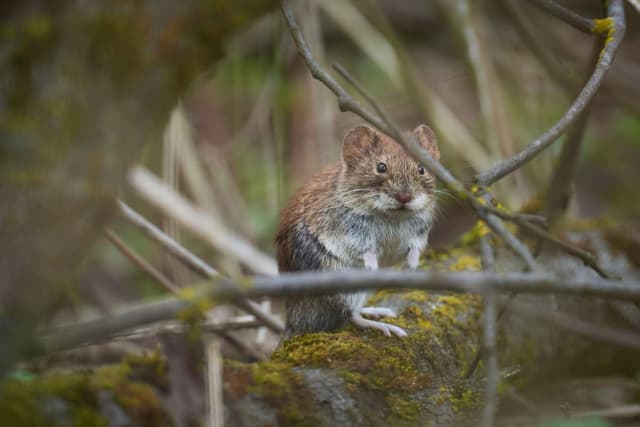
pixel 320 283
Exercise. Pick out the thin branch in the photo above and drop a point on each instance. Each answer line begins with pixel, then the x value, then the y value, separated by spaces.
pixel 386 125
pixel 558 192
pixel 248 350
pixel 215 403
pixel 196 264
pixel 587 257
pixel 615 30
pixel 347 103
pixel 168 243
pixel 433 108
pixel 532 39
pixel 596 332
pixel 512 241
pixel 198 222
pixel 577 21
pixel 322 283
pixel 139 261
pixel 495 224
pixel 490 333
pixel 617 412
pixel 168 284
pixel 615 27
pixel 177 328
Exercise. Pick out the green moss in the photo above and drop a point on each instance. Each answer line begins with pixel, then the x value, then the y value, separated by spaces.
pixel 195 312
pixel 23 403
pixel 458 396
pixel 149 367
pixel 402 408
pixel 380 364
pixel 141 403
pixel 275 383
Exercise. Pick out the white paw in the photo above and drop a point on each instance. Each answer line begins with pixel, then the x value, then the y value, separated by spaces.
pixel 378 312
pixel 385 328
pixel 388 329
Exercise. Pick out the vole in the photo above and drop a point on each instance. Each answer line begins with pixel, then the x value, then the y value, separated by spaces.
pixel 374 207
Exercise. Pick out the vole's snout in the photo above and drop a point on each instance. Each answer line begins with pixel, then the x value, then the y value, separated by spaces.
pixel 404 196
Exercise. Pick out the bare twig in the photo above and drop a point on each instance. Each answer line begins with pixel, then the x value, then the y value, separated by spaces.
pixel 168 284
pixel 577 21
pixel 386 125
pixel 615 27
pixel 599 333
pixel 432 107
pixel 139 261
pixel 617 412
pixel 177 327
pixel 468 23
pixel 490 327
pixel 512 241
pixel 495 224
pixel 531 38
pixel 197 264
pixel 215 403
pixel 347 103
pixel 559 189
pixel 587 257
pixel 202 225
pixel 175 248
pixel 322 283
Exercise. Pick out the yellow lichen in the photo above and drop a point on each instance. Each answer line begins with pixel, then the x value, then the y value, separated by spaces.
pixel 195 312
pixel 602 26
pixel 466 262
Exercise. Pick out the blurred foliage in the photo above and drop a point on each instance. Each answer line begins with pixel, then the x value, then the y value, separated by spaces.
pixel 83 87
pixel 587 422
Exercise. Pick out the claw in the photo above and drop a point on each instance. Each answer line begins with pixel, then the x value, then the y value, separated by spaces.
pixel 386 328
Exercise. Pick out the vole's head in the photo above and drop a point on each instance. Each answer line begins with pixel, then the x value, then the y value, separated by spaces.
pixel 378 174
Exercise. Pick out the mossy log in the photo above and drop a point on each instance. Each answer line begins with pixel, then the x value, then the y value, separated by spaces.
pixel 358 378
pixel 362 378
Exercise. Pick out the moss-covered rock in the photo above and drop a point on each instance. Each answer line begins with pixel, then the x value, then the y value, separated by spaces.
pixel 88 397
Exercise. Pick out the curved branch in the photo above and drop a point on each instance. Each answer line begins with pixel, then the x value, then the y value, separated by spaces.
pixel 615 27
pixel 577 21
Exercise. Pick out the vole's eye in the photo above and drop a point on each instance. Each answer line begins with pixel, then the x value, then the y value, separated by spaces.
pixel 382 168
pixel 421 169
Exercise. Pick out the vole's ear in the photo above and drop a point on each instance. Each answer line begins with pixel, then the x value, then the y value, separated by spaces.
pixel 359 141
pixel 428 140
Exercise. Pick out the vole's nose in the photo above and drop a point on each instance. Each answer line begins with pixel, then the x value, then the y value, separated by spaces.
pixel 404 196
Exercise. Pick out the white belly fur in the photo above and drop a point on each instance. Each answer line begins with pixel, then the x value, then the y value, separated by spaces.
pixel 391 239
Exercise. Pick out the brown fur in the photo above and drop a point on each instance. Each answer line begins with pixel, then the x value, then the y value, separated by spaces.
pixel 340 201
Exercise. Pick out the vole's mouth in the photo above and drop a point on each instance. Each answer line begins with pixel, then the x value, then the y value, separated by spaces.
pixel 401 208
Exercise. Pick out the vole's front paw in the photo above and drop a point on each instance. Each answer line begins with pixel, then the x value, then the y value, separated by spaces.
pixel 413 259
pixel 378 312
